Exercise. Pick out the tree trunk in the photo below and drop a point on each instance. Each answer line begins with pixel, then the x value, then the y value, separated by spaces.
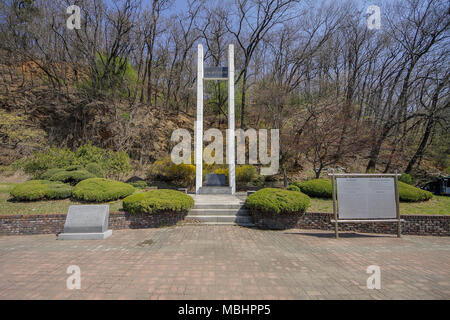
pixel 373 157
pixel 421 148
pixel 244 84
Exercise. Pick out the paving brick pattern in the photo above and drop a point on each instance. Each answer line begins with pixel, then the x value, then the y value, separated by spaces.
pixel 225 262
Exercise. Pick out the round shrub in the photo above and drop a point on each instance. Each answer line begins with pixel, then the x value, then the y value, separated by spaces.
pixel 222 171
pixel 409 193
pixel 316 188
pixel 156 201
pixel 277 201
pixel 139 184
pixel 113 163
pixel 101 190
pixel 177 174
pixel 50 172
pixel 293 187
pixel 74 168
pixel 96 169
pixel 71 176
pixel 41 190
pixel 182 174
pixel 159 170
pixel 406 178
pixel 244 174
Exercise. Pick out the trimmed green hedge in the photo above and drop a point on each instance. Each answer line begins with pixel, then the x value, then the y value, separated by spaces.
pixel 72 175
pixel 406 178
pixel 110 163
pixel 74 168
pixel 139 184
pixel 50 172
pixel 408 193
pixel 316 188
pixel 41 190
pixel 96 169
pixel 293 187
pixel 156 201
pixel 277 201
pixel 322 188
pixel 101 190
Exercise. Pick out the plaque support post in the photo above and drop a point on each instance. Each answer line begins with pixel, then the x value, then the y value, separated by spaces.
pixel 199 123
pixel 231 122
pixel 397 206
pixel 336 226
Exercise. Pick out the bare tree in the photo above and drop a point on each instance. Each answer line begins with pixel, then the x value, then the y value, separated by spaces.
pixel 251 21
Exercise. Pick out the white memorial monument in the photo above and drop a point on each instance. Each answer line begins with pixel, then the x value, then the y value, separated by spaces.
pixel 221 74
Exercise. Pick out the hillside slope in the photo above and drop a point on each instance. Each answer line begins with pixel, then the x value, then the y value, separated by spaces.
pixel 66 117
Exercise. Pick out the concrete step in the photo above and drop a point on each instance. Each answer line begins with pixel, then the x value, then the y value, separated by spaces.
pixel 248 225
pixel 215 190
pixel 221 219
pixel 218 206
pixel 241 224
pixel 219 212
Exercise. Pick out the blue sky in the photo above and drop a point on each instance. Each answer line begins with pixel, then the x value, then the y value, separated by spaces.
pixel 181 5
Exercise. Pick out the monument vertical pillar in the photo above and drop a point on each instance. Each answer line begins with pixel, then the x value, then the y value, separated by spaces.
pixel 231 122
pixel 199 123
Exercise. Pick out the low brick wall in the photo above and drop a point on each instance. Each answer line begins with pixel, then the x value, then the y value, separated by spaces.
pixel 32 224
pixel 275 221
pixel 123 220
pixel 54 223
pixel 413 225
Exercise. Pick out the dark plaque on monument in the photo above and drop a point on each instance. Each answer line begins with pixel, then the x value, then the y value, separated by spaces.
pixel 216 73
pixel 216 180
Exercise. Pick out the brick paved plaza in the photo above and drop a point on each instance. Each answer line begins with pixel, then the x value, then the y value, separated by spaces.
pixel 225 262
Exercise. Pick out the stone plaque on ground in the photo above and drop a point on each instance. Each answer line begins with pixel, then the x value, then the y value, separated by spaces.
pixel 88 222
pixel 216 180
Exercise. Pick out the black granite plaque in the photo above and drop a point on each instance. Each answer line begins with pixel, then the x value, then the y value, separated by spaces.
pixel 216 180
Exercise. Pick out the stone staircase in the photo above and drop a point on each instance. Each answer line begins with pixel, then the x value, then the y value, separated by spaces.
pixel 215 190
pixel 219 210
